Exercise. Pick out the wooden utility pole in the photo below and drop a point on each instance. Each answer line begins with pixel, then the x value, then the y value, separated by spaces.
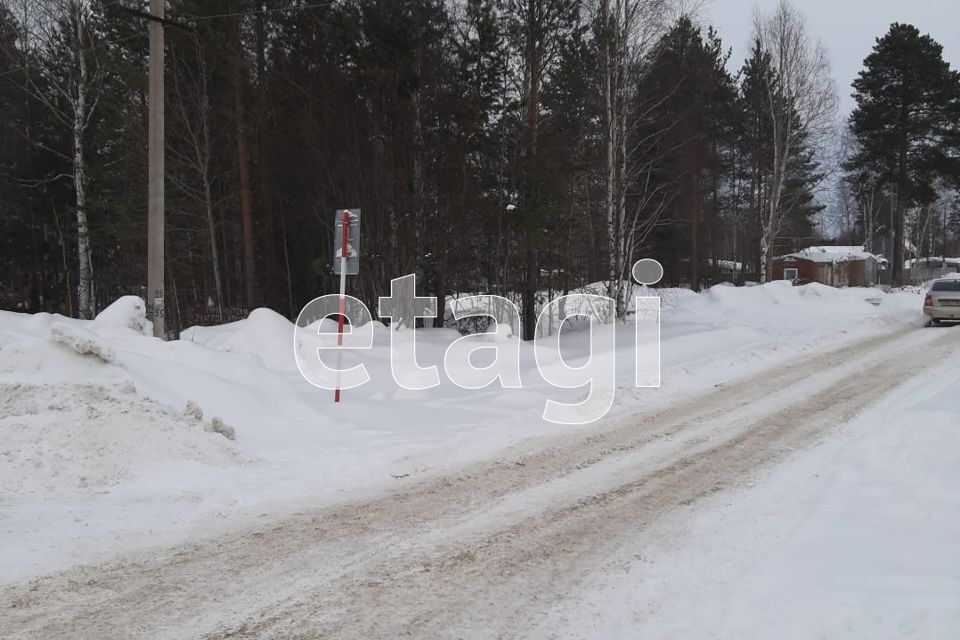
pixel 155 213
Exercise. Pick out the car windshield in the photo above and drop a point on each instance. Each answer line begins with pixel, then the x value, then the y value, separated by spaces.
pixel 946 285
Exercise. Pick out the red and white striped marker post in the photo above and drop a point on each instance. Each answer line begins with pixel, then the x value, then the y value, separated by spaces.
pixel 344 240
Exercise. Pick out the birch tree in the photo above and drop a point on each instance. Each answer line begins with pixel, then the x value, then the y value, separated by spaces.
pixel 68 81
pixel 801 101
pixel 192 146
pixel 626 28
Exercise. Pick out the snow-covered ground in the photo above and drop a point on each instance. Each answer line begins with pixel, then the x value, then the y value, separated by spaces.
pixel 113 441
pixel 855 538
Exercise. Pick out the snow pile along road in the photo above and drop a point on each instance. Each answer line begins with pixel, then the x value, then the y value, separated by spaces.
pixel 98 445
pixel 74 422
pixel 63 439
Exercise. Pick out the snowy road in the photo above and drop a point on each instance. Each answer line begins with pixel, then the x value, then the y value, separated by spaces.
pixel 484 552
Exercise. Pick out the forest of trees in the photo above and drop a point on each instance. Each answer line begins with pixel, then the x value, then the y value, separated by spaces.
pixel 495 146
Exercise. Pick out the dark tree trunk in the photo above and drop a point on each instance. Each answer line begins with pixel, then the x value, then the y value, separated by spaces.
pixel 243 172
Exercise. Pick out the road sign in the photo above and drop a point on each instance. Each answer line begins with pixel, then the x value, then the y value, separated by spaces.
pixel 352 244
pixel 346 262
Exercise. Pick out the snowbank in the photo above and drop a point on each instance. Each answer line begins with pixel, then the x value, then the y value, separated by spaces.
pixel 128 312
pixel 81 341
pixel 62 439
pixel 783 308
pixel 84 452
pixel 265 334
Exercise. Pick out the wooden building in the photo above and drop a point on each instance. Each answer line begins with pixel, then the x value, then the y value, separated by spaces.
pixel 830 265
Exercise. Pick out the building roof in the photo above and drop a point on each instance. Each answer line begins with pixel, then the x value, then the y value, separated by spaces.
pixel 726 264
pixel 832 254
pixel 935 260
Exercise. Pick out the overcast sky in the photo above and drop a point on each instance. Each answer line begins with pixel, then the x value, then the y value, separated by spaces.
pixel 848 28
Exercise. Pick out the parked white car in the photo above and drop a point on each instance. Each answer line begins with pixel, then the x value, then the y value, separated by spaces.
pixel 942 302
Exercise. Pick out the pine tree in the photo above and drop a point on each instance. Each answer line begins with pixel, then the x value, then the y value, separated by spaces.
pixel 537 29
pixel 695 95
pixel 757 75
pixel 907 122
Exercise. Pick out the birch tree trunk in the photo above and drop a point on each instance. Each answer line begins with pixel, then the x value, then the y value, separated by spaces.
pixel 86 305
pixel 782 142
pixel 85 293
pixel 69 86
pixel 801 100
pixel 628 26
pixel 611 121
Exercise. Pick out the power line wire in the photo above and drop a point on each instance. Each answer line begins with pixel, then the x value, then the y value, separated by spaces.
pixel 237 14
pixel 240 14
pixel 100 45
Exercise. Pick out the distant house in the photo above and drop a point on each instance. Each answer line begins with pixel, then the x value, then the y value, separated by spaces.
pixel 834 266
pixel 716 271
pixel 923 269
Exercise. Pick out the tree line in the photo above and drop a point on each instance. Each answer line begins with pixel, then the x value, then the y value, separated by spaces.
pixel 496 146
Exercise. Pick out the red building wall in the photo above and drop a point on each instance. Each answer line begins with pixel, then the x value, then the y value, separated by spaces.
pixel 843 273
pixel 808 271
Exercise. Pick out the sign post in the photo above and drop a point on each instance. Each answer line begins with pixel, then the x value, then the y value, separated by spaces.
pixel 346 261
